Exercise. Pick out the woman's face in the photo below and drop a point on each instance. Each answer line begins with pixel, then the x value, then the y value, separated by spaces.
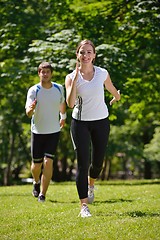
pixel 86 54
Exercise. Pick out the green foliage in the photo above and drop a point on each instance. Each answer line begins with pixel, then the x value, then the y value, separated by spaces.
pixel 122 210
pixel 151 150
pixel 59 49
pixel 126 36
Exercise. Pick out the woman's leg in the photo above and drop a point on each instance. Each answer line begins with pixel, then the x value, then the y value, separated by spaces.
pixel 99 137
pixel 81 141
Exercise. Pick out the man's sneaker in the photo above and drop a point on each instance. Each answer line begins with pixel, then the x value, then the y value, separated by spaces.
pixel 41 198
pixel 85 211
pixel 36 189
pixel 90 194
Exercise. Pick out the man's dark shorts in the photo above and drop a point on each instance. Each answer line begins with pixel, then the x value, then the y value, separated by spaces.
pixel 43 145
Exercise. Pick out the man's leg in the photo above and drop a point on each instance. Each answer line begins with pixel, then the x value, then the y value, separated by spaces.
pixel 46 174
pixel 49 152
pixel 36 171
pixel 37 160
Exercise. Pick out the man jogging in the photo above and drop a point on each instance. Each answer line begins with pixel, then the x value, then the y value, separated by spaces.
pixel 46 107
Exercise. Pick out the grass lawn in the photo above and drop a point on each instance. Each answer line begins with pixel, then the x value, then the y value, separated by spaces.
pixel 128 210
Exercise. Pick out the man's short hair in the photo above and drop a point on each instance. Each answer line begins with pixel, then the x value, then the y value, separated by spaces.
pixel 45 65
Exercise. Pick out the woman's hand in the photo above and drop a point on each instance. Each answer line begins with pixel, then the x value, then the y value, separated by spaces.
pixel 114 99
pixel 71 87
pixel 77 70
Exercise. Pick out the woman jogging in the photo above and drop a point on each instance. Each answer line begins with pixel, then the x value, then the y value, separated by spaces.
pixel 90 124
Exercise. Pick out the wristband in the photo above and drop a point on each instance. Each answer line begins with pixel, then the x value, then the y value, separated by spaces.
pixel 63 115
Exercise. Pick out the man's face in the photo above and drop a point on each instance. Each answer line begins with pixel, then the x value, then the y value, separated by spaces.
pixel 45 75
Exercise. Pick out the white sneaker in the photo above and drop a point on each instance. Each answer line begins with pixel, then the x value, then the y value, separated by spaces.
pixel 90 194
pixel 85 211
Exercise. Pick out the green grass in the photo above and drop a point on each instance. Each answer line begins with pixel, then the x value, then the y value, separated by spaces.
pixel 127 210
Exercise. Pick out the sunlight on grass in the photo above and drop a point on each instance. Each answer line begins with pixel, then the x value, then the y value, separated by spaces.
pixel 120 211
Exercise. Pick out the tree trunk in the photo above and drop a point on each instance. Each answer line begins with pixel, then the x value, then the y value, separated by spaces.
pixel 147 170
pixel 7 171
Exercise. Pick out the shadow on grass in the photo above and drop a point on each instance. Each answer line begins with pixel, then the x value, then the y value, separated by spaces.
pixel 113 201
pixel 134 214
pixel 141 214
pixel 15 195
pixel 64 202
pixel 95 202
pixel 129 182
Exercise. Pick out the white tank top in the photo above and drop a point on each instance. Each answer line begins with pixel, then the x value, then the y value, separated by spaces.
pixel 90 102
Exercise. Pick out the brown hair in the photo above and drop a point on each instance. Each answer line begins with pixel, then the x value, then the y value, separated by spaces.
pixel 45 65
pixel 83 42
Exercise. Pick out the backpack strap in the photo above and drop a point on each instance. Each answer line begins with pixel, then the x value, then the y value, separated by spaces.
pixel 38 87
pixel 56 86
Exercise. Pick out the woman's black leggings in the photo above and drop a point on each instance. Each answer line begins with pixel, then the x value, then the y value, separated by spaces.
pixel 89 139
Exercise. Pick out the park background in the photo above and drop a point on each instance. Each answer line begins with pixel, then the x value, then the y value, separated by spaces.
pixel 127 39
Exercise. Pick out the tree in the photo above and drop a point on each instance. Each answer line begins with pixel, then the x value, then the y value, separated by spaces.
pixel 126 35
pixel 21 22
